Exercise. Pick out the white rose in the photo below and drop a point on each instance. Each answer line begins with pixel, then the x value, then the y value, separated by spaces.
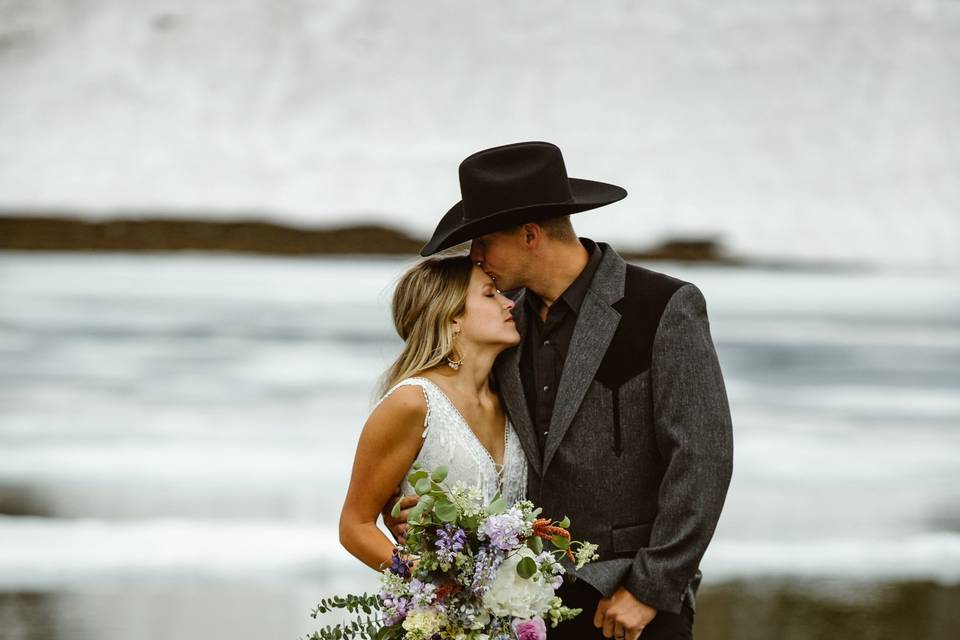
pixel 423 623
pixel 511 595
pixel 480 620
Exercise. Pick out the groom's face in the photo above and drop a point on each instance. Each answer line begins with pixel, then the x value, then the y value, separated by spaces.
pixel 502 256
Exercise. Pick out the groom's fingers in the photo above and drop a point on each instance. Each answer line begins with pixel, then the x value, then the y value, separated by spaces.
pixel 609 622
pixel 398 525
pixel 619 630
pixel 598 614
pixel 601 612
pixel 406 504
pixel 388 507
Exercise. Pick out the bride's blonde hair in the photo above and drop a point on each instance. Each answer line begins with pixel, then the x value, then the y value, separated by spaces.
pixel 427 299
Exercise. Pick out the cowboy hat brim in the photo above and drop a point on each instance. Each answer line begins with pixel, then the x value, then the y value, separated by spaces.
pixel 453 229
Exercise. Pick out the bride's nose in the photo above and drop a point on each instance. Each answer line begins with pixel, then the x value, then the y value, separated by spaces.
pixel 507 302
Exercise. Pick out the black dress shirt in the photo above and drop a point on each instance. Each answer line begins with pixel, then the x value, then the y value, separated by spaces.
pixel 546 343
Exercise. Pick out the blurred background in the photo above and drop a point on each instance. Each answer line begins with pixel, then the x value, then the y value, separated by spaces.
pixel 204 207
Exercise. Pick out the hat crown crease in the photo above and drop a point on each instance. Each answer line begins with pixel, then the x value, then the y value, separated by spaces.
pixel 511 178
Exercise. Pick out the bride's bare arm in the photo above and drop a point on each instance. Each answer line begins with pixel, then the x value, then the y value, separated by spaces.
pixel 389 443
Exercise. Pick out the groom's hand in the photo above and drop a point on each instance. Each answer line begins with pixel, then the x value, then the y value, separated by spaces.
pixel 622 616
pixel 398 526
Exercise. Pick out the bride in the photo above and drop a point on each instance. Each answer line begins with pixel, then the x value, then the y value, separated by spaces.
pixel 437 406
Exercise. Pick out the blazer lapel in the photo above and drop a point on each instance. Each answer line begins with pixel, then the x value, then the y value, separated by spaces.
pixel 597 322
pixel 507 371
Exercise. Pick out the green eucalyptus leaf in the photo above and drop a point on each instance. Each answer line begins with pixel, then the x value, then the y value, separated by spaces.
pixel 446 510
pixel 415 514
pixel 560 542
pixel 563 524
pixel 535 543
pixel 395 512
pixel 526 568
pixel 414 477
pixel 423 486
pixel 440 473
pixel 428 501
pixel 497 507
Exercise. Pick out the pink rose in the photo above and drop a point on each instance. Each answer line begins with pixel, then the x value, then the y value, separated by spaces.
pixel 532 629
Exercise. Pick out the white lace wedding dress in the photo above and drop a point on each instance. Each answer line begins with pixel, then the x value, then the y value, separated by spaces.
pixel 449 440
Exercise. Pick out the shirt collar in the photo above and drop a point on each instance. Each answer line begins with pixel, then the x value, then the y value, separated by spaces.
pixel 574 294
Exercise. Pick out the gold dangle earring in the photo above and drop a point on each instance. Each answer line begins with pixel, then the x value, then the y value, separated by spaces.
pixel 454 364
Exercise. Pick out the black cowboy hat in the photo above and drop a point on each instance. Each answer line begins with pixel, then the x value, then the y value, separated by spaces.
pixel 511 185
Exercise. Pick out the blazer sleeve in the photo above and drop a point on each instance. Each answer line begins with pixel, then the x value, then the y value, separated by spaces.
pixel 694 435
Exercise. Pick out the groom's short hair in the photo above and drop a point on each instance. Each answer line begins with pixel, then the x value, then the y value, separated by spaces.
pixel 559 229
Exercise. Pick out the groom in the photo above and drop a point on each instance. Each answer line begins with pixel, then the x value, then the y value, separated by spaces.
pixel 614 390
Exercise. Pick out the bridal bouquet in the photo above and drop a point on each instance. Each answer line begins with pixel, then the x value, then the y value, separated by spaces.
pixel 468 571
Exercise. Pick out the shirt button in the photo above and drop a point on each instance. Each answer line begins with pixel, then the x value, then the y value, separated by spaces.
pixel 546 343
pixel 544 433
pixel 546 387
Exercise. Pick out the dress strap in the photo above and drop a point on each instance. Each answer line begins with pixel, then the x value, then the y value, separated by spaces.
pixel 413 382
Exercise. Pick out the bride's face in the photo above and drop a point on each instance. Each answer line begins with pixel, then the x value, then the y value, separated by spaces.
pixel 487 318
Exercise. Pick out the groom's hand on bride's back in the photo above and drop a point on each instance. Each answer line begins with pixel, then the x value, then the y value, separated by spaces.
pixel 398 526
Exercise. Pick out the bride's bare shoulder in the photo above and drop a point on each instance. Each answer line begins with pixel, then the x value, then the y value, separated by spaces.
pixel 405 403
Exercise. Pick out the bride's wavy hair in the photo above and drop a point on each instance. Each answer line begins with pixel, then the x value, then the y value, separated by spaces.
pixel 427 299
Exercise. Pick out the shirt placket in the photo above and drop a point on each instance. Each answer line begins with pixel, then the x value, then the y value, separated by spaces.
pixel 545 371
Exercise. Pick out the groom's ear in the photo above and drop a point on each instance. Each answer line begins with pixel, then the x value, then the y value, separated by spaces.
pixel 532 235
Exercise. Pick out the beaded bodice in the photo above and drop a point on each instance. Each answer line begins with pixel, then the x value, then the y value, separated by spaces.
pixel 448 440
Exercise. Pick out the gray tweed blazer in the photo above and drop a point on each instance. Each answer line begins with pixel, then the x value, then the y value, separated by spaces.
pixel 640 449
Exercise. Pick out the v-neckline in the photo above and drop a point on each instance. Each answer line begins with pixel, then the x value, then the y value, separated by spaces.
pixel 498 467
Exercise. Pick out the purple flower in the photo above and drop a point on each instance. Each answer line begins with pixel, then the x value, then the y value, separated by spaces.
pixel 530 629
pixel 486 563
pixel 503 530
pixel 422 593
pixel 450 541
pixel 399 567
pixel 394 610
